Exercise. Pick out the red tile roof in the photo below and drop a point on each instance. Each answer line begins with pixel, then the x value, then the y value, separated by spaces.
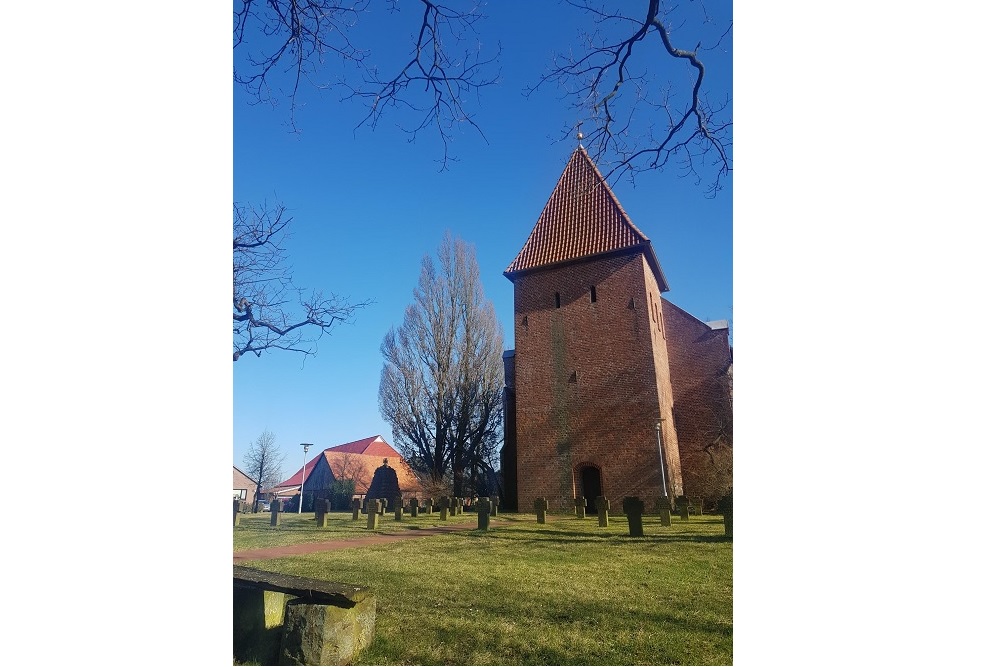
pixel 582 219
pixel 296 479
pixel 373 446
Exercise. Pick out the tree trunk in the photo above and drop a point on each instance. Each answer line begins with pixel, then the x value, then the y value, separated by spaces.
pixel 459 477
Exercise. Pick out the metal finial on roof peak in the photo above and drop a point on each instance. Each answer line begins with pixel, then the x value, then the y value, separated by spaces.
pixel 579 137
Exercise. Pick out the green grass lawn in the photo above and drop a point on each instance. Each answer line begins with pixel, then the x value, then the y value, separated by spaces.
pixel 256 532
pixel 566 592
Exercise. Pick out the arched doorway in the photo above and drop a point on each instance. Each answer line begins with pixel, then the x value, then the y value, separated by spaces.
pixel 590 486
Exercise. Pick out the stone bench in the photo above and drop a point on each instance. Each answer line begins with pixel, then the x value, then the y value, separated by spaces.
pixel 282 619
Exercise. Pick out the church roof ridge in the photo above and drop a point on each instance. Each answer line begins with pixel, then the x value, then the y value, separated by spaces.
pixel 582 218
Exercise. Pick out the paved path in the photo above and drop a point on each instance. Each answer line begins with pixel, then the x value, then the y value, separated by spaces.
pixel 347 543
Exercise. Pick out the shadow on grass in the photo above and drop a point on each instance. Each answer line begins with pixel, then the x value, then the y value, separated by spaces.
pixel 578 537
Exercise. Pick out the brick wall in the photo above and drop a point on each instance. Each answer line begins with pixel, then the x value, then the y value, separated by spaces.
pixel 508 453
pixel 591 379
pixel 243 482
pixel 700 368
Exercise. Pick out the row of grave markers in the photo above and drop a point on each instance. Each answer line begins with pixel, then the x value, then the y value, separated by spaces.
pixel 634 507
pixel 488 506
pixel 376 508
pixel 449 506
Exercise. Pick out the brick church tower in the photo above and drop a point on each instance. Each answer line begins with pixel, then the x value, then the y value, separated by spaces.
pixel 589 378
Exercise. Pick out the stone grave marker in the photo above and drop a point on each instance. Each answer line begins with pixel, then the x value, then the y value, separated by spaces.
pixel 683 507
pixel 374 512
pixel 355 509
pixel 541 505
pixel 414 507
pixel 483 507
pixel 322 510
pixel 603 505
pixel 399 508
pixel 452 505
pixel 275 512
pixel 663 507
pixel 581 507
pixel 633 508
pixel 495 505
pixel 236 511
pixel 383 503
pixel 698 506
pixel 430 506
pixel 725 506
pixel 443 503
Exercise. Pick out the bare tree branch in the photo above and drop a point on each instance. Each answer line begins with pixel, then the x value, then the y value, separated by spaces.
pixel 263 290
pixel 642 103
pixel 436 82
pixel 611 87
pixel 288 42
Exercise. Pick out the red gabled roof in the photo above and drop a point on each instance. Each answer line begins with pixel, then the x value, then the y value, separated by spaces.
pixel 582 219
pixel 296 479
pixel 373 446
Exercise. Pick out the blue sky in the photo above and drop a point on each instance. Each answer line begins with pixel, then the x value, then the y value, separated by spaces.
pixel 367 205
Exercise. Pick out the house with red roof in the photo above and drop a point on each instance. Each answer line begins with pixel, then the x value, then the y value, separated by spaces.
pixel 356 461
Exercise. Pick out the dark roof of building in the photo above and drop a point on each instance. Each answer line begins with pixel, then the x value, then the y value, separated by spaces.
pixel 582 219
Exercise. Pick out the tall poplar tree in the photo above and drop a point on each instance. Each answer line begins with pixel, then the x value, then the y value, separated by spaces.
pixel 442 380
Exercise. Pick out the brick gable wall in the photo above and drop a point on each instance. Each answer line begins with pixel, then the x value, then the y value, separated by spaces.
pixel 700 370
pixel 591 378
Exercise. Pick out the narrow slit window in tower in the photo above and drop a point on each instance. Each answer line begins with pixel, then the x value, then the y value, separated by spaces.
pixel 593 294
pixel 558 305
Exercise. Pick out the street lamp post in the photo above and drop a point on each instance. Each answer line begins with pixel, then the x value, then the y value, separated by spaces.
pixel 302 489
pixel 659 448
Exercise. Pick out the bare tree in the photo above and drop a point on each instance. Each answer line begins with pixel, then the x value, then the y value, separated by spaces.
pixel 442 380
pixel 263 290
pixel 645 99
pixel 639 98
pixel 264 460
